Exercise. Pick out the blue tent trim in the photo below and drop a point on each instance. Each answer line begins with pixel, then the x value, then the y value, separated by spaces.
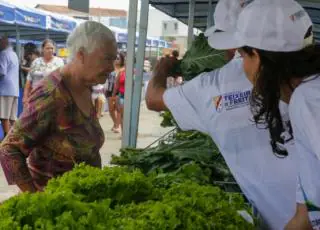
pixel 61 24
pixel 31 19
pixel 7 14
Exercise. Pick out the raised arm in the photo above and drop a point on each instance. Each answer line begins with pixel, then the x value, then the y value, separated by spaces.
pixel 158 84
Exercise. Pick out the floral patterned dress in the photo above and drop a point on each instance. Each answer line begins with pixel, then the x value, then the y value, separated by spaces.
pixel 51 136
pixel 40 69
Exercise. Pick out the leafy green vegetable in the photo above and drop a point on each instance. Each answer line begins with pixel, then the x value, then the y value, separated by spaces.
pixel 92 184
pixel 168 120
pixel 201 58
pixel 90 198
pixel 186 148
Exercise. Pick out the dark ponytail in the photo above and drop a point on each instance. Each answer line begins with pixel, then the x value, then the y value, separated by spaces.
pixel 277 70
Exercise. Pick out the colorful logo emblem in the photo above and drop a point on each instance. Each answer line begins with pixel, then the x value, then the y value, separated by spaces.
pixel 217 101
pixel 232 100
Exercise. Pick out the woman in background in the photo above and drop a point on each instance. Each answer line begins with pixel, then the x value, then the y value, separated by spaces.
pixel 31 53
pixel 119 87
pixel 41 67
pixel 112 100
pixel 98 99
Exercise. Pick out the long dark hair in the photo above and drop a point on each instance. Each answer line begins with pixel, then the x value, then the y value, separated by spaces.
pixel 122 59
pixel 277 69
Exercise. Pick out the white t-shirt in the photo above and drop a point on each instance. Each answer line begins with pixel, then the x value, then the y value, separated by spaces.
pixel 304 111
pixel 217 103
pixel 40 69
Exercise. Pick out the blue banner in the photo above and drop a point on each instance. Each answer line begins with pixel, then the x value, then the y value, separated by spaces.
pixel 7 14
pixel 162 44
pixel 155 43
pixel 148 42
pixel 22 41
pixel 122 37
pixel 61 25
pixel 32 19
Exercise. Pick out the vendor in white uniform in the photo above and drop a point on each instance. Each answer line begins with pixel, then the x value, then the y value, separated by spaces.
pixel 217 103
pixel 280 57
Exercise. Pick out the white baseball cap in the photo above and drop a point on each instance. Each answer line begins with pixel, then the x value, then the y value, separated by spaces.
pixel 273 25
pixel 226 15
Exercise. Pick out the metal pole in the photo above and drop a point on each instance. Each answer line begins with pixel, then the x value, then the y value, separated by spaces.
pixel 18 44
pixel 192 5
pixel 132 22
pixel 210 14
pixel 136 98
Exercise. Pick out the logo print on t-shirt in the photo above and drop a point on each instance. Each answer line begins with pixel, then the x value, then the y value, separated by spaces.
pixel 217 101
pixel 232 100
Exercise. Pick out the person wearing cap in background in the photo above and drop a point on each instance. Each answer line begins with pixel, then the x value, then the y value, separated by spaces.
pixel 146 74
pixel 9 85
pixel 283 63
pixel 217 103
pixel 31 53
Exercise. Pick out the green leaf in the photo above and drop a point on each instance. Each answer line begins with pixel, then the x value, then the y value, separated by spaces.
pixel 201 58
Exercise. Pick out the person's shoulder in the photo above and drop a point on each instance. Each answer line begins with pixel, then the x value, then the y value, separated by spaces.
pixel 51 89
pixel 308 88
pixel 7 53
pixel 306 92
pixel 37 60
pixel 233 66
pixel 219 76
pixel 58 60
pixel 10 56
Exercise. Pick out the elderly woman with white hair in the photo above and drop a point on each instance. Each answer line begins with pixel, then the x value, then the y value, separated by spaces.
pixel 59 127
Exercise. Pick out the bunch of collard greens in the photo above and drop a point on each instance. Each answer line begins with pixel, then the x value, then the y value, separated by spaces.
pixel 117 198
pixel 201 58
pixel 171 157
pixel 198 59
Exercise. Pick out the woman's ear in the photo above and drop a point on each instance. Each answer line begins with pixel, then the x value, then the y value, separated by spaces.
pixel 81 55
pixel 256 57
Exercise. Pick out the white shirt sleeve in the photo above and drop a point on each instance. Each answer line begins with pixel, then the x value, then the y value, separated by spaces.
pixel 60 62
pixel 189 102
pixel 3 65
pixel 304 112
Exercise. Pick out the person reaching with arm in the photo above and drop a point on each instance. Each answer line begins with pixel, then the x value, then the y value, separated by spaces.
pixel 218 103
pixel 283 63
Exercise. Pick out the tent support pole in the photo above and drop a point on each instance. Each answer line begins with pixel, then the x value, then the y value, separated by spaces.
pixel 132 22
pixel 18 43
pixel 191 21
pixel 210 14
pixel 136 99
